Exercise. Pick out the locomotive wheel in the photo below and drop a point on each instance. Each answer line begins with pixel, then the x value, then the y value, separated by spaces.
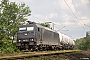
pixel 36 48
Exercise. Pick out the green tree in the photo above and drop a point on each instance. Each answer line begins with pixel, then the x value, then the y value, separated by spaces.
pixel 83 43
pixel 10 16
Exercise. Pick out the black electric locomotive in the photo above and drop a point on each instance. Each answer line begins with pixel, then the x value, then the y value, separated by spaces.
pixel 33 36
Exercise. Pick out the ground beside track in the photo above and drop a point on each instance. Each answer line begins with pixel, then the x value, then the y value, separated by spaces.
pixel 83 55
pixel 75 55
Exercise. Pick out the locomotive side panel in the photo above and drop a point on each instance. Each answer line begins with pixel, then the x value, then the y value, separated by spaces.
pixel 49 37
pixel 38 35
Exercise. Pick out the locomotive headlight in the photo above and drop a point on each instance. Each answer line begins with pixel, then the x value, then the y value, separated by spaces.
pixel 25 34
pixel 32 39
pixel 19 40
pixel 24 40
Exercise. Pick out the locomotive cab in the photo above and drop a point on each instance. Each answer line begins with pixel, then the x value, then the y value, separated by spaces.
pixel 26 36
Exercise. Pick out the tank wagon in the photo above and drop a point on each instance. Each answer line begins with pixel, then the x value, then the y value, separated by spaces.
pixel 33 36
pixel 66 42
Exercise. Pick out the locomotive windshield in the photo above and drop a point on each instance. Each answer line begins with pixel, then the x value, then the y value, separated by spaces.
pixel 30 28
pixel 26 28
pixel 22 29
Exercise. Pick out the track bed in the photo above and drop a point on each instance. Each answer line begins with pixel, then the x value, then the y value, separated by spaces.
pixel 35 54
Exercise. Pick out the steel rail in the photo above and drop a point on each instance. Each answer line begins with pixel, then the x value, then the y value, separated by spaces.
pixel 36 54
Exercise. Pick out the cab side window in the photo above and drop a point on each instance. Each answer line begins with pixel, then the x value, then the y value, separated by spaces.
pixel 38 29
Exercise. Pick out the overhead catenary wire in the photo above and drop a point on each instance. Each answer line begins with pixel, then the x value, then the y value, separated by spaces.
pixel 48 18
pixel 74 14
pixel 80 18
pixel 43 16
pixel 77 12
pixel 37 18
pixel 44 21
pixel 78 15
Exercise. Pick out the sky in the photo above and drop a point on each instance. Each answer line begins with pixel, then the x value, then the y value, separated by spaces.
pixel 70 17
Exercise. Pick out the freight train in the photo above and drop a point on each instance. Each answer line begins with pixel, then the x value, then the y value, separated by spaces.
pixel 33 36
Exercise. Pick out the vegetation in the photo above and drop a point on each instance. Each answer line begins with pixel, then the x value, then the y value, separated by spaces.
pixel 83 43
pixel 45 25
pixel 11 14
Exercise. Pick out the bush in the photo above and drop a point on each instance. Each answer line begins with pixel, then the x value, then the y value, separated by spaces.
pixel 8 47
pixel 83 43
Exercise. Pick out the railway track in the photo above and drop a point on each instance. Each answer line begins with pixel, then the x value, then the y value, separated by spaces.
pixel 36 54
